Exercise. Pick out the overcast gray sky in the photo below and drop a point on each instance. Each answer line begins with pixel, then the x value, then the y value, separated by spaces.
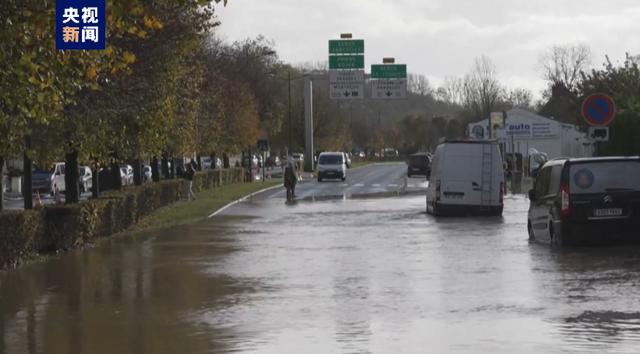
pixel 440 38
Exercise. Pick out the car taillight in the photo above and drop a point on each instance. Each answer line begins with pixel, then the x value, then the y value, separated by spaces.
pixel 501 192
pixel 437 191
pixel 565 209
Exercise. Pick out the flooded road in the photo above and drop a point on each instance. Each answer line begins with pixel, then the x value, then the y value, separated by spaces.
pixel 346 276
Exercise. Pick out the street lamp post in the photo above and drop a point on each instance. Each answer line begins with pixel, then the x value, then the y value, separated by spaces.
pixel 290 126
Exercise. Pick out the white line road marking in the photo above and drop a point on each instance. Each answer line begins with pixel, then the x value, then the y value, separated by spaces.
pixel 392 185
pixel 345 185
pixel 359 185
pixel 242 200
pixel 375 185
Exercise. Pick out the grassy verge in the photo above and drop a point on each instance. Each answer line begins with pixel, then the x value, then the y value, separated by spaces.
pixel 356 164
pixel 207 202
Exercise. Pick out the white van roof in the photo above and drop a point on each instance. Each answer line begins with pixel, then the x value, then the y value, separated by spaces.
pixel 461 141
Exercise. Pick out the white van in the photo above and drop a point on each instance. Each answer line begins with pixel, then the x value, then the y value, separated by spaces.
pixel 332 165
pixel 466 178
pixel 57 178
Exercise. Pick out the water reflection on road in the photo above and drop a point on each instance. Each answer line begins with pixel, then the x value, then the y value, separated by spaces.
pixel 366 275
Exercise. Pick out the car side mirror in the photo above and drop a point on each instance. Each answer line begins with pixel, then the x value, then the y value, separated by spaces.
pixel 532 195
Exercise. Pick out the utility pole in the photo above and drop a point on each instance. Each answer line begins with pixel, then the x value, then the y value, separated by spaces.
pixel 308 124
pixel 290 123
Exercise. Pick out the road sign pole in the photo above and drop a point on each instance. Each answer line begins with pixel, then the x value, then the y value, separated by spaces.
pixel 308 125
pixel 290 126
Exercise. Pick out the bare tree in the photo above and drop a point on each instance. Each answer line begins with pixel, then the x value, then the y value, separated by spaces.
pixel 562 64
pixel 519 98
pixel 481 87
pixel 419 84
pixel 451 91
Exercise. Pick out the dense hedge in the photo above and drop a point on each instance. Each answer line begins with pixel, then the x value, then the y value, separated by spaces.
pixel 62 227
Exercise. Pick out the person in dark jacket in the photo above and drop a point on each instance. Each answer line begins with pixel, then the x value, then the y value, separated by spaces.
pixel 189 173
pixel 290 179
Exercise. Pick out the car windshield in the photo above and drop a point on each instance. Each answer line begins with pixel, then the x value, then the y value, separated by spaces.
pixel 37 169
pixel 330 159
pixel 603 177
pixel 418 160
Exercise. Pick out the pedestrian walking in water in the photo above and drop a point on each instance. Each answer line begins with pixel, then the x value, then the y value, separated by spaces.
pixel 290 179
pixel 189 176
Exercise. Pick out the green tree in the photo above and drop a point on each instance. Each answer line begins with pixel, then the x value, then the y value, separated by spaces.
pixel 622 83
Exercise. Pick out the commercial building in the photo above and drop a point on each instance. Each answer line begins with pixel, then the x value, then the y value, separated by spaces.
pixel 523 131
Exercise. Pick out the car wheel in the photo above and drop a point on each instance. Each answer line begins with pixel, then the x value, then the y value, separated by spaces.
pixel 319 179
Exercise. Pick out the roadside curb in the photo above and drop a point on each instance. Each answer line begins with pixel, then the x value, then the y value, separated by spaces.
pixel 245 198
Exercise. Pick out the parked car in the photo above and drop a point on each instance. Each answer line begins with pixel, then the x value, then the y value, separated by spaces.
pixel 332 165
pixel 41 179
pixel 85 179
pixel 56 176
pixel 419 164
pixel 126 175
pixel 466 178
pixel 273 161
pixel 254 161
pixel 147 174
pixel 347 159
pixel 390 152
pixel 587 199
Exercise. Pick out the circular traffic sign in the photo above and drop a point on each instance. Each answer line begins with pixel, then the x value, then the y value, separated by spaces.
pixel 598 109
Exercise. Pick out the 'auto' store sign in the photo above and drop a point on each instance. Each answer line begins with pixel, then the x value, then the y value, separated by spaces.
pixel 531 130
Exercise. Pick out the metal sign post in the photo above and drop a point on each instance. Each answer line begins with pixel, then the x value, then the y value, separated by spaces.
pixel 308 125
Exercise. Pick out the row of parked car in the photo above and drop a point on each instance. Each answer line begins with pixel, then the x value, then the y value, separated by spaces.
pixel 573 201
pixel 52 181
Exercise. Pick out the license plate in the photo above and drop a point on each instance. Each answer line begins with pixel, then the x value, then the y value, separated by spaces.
pixel 607 212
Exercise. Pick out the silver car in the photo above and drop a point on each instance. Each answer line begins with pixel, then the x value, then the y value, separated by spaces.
pixel 85 179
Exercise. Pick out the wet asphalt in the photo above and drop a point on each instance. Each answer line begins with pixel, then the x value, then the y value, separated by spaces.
pixel 350 273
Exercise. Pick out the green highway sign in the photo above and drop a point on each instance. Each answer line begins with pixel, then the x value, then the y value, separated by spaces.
pixel 388 71
pixel 346 46
pixel 346 62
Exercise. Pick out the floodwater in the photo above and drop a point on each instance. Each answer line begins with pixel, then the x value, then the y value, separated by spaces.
pixel 347 276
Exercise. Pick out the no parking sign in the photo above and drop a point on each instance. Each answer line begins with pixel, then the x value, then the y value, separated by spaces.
pixel 598 110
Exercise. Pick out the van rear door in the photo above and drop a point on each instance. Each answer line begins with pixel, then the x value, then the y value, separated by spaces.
pixel 605 190
pixel 462 174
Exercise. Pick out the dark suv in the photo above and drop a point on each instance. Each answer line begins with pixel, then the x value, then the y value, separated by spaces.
pixel 419 164
pixel 586 200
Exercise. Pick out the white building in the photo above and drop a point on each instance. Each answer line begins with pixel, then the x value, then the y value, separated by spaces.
pixel 524 130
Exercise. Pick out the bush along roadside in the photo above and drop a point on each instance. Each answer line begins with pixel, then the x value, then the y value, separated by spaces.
pixel 24 234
